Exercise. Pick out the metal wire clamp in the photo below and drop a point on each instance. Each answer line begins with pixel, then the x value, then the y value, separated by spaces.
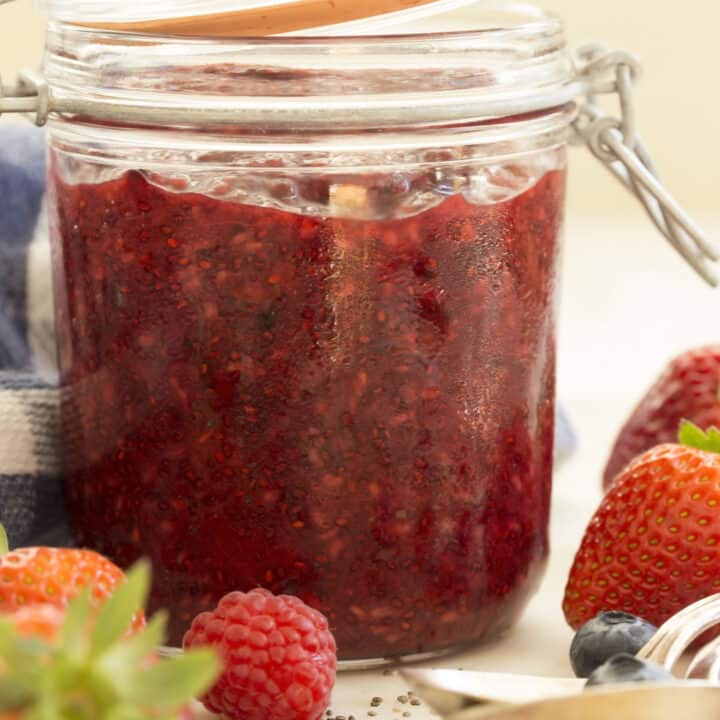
pixel 615 142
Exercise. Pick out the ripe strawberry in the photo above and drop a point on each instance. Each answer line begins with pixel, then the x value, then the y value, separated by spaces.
pixel 41 621
pixel 653 545
pixel 687 389
pixel 80 664
pixel 54 576
pixel 279 657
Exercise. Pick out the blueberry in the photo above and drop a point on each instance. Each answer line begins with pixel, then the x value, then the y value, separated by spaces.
pixel 606 635
pixel 624 668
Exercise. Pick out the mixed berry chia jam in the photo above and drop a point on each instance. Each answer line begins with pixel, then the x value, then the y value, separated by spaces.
pixel 355 411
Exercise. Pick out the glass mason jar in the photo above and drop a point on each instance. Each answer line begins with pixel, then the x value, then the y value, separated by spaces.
pixel 305 292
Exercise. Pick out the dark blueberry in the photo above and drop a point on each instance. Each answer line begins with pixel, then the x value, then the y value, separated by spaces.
pixel 606 635
pixel 625 668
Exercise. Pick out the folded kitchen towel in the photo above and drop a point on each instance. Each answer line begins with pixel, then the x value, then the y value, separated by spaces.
pixel 30 481
pixel 31 507
pixel 31 504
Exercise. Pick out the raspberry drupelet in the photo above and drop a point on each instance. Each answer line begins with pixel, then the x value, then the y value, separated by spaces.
pixel 278 653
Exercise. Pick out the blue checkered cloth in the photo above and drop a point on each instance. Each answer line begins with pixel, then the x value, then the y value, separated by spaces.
pixel 31 506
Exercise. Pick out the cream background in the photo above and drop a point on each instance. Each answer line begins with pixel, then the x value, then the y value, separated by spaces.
pixel 679 106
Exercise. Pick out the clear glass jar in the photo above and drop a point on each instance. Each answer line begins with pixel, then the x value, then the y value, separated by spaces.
pixel 306 328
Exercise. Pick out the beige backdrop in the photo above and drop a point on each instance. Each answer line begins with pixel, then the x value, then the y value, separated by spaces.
pixel 677 98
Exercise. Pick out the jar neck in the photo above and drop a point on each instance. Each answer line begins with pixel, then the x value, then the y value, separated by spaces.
pixel 314 84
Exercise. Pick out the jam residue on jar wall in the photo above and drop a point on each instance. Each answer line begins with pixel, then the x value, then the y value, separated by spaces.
pixel 355 411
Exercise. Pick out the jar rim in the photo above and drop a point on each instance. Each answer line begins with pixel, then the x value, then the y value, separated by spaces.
pixel 280 82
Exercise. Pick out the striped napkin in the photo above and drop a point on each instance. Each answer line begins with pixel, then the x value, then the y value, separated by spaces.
pixel 31 506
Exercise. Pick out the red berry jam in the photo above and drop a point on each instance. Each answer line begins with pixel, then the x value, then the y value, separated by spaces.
pixel 355 411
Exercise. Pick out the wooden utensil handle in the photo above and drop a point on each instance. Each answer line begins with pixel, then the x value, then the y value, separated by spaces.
pixel 271 20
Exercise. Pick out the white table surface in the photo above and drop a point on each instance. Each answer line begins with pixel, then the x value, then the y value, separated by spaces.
pixel 628 304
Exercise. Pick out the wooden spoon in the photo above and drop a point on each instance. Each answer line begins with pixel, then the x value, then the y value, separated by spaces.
pixel 270 20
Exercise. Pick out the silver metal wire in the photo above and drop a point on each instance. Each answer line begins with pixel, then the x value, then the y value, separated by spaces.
pixel 615 142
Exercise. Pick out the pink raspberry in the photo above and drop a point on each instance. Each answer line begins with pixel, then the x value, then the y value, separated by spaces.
pixel 279 657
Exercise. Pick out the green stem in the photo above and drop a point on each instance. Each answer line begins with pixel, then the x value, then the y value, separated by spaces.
pixel 692 436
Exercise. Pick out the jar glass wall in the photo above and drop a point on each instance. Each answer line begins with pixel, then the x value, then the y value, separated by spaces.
pixel 314 356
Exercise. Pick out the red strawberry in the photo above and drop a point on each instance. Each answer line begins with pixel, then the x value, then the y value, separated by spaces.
pixel 78 662
pixel 687 389
pixel 54 576
pixel 279 657
pixel 42 621
pixel 653 545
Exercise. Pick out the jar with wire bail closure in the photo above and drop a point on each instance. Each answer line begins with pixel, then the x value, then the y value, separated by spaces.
pixel 305 291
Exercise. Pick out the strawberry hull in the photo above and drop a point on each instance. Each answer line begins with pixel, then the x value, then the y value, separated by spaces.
pixel 357 412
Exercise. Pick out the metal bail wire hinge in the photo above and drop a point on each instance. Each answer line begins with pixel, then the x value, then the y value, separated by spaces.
pixel 28 95
pixel 616 144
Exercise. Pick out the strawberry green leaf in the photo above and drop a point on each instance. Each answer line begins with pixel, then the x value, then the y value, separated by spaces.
pixel 693 436
pixel 21 655
pixel 129 712
pixel 8 640
pixel 4 544
pixel 120 662
pixel 14 695
pixel 45 709
pixel 176 680
pixel 73 633
pixel 117 613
